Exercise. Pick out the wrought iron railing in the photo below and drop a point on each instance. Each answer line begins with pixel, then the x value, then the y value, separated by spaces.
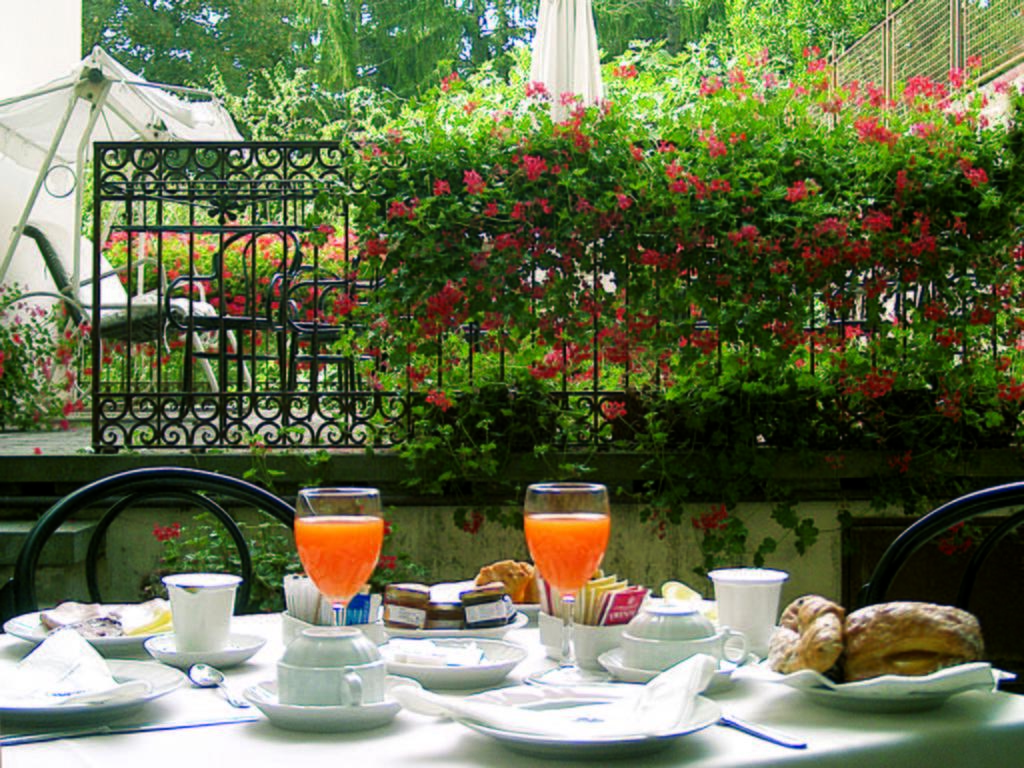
pixel 927 38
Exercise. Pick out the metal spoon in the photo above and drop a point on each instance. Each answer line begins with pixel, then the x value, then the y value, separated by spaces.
pixel 205 676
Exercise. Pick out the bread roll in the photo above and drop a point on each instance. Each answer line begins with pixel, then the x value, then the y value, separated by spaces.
pixel 908 638
pixel 517 577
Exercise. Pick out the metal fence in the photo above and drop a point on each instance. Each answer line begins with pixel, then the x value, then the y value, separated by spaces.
pixel 929 37
pixel 229 296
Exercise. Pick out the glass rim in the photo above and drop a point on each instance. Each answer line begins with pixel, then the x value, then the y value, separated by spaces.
pixel 351 492
pixel 556 487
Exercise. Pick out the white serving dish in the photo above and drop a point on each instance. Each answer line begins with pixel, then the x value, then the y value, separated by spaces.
pixel 28 627
pixel 500 658
pixel 897 693
pixel 161 679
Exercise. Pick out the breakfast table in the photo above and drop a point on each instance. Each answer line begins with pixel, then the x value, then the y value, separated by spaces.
pixel 974 729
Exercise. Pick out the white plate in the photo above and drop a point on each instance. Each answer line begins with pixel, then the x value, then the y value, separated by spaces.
pixel 897 693
pixel 720 681
pixel 239 649
pixel 495 633
pixel 706 713
pixel 500 658
pixel 326 719
pixel 162 680
pixel 28 627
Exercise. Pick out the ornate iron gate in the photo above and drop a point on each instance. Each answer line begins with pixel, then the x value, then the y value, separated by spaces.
pixel 226 335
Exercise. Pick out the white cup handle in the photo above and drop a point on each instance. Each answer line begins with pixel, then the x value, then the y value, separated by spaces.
pixel 351 685
pixel 738 648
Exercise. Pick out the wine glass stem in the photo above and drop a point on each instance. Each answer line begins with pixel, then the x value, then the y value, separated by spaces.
pixel 339 613
pixel 568 646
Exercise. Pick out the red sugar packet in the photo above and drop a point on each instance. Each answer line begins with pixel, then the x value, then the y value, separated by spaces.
pixel 621 606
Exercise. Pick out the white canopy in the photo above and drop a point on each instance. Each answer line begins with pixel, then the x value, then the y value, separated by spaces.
pixel 565 55
pixel 55 125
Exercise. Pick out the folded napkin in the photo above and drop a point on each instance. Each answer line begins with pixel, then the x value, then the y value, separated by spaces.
pixel 65 669
pixel 662 706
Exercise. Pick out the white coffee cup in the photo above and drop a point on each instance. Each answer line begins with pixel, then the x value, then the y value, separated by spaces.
pixel 589 641
pixel 201 609
pixel 748 601
pixel 331 666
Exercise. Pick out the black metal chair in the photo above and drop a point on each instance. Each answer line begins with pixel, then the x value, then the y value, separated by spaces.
pixel 938 523
pixel 208 491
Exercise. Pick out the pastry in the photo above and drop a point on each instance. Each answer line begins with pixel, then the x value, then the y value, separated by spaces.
pixel 908 638
pixel 518 578
pixel 810 636
pixel 94 620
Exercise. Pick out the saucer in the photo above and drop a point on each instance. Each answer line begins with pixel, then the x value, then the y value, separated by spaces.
pixel 720 681
pixel 239 648
pixel 329 719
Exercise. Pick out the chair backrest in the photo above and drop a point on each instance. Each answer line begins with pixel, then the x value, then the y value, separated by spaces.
pixel 938 522
pixel 209 491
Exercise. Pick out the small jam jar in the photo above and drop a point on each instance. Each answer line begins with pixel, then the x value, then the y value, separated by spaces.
pixel 405 605
pixel 445 615
pixel 487 606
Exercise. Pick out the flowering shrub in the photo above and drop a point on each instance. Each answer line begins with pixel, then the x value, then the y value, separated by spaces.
pixel 723 260
pixel 38 380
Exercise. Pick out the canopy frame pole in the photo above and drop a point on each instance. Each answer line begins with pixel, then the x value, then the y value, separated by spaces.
pixel 94 115
pixel 34 195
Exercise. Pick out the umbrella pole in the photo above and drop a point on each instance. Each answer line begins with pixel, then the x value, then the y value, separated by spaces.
pixel 34 195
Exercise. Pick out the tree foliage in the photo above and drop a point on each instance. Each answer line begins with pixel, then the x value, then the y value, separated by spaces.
pixel 405 46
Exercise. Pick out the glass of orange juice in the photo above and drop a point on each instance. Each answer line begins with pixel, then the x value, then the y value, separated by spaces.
pixel 339 533
pixel 567 527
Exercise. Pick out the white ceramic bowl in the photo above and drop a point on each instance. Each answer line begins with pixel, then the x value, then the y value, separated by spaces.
pixel 670 621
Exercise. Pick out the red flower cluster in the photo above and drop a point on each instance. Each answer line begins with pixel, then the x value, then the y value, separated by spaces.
pixel 715 520
pixel 613 409
pixel 164 533
pixel 475 521
pixel 956 541
pixel 439 398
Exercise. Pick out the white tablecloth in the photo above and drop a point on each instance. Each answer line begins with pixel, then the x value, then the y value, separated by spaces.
pixel 979 730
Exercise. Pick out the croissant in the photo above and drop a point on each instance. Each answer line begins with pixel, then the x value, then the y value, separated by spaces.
pixel 810 636
pixel 908 638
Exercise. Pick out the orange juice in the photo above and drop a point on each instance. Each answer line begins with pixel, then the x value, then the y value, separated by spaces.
pixel 339 552
pixel 567 548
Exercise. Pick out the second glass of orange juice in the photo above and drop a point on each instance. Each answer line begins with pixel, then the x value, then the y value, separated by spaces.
pixel 567 527
pixel 338 534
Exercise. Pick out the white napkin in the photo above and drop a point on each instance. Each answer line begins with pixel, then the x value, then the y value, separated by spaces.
pixel 662 706
pixel 65 669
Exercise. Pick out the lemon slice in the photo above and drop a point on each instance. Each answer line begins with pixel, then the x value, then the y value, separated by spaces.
pixel 677 592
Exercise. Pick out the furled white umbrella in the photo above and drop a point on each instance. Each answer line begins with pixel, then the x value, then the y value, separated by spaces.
pixel 565 56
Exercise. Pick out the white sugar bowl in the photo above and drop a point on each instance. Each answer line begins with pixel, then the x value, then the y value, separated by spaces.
pixel 662 635
pixel 668 621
